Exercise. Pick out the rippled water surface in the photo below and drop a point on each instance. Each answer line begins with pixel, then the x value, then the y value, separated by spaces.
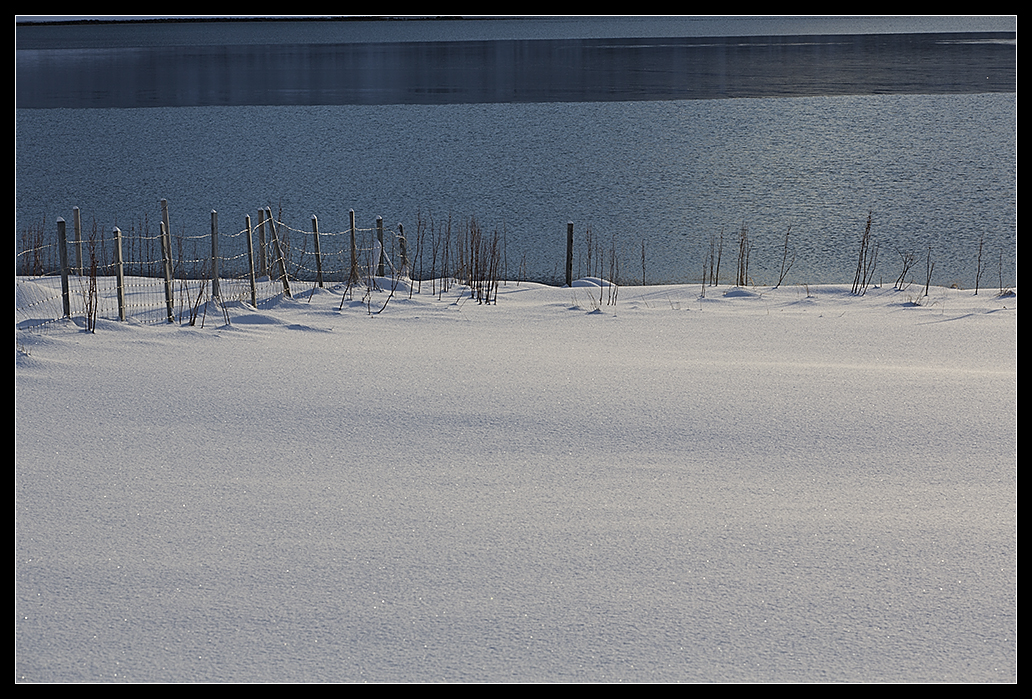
pixel 936 169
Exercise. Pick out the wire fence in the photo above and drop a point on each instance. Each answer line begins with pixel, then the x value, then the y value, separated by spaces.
pixel 167 277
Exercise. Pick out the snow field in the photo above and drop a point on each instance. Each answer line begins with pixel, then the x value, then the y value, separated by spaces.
pixel 793 484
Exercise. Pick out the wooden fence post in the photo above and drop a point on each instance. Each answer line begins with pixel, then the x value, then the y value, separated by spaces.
pixel 353 276
pixel 569 254
pixel 281 266
pixel 263 267
pixel 215 292
pixel 168 234
pixel 168 225
pixel 404 249
pixel 318 252
pixel 77 224
pixel 62 250
pixel 250 261
pixel 379 239
pixel 119 273
pixel 272 249
pixel 166 253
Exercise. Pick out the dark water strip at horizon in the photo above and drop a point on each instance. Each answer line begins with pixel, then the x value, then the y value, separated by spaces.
pixel 517 71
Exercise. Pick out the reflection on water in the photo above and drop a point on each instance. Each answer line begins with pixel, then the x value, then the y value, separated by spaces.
pixel 569 70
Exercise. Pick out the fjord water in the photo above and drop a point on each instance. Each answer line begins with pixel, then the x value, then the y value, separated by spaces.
pixel 495 130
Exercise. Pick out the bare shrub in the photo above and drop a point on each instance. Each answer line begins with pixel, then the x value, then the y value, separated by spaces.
pixel 88 284
pixel 785 264
pixel 867 260
pixel 744 250
pixel 908 262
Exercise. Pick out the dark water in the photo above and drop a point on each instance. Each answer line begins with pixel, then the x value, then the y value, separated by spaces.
pixel 651 131
pixel 511 71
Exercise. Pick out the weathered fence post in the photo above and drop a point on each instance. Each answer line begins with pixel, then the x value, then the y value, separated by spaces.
pixel 318 252
pixel 62 249
pixel 569 254
pixel 168 234
pixel 168 226
pixel 166 253
pixel 215 293
pixel 404 249
pixel 77 224
pixel 272 249
pixel 281 266
pixel 353 276
pixel 379 239
pixel 250 261
pixel 263 267
pixel 119 273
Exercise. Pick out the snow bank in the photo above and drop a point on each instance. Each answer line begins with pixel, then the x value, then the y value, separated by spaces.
pixel 792 484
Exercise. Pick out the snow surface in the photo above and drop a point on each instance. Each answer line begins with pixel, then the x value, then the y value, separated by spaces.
pixel 793 484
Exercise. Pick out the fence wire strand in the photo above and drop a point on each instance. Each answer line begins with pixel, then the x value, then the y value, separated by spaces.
pixel 39 299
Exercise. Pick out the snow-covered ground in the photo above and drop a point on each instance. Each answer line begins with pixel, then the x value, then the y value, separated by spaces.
pixel 793 484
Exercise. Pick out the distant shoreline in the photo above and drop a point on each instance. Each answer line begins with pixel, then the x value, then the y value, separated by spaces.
pixel 199 20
